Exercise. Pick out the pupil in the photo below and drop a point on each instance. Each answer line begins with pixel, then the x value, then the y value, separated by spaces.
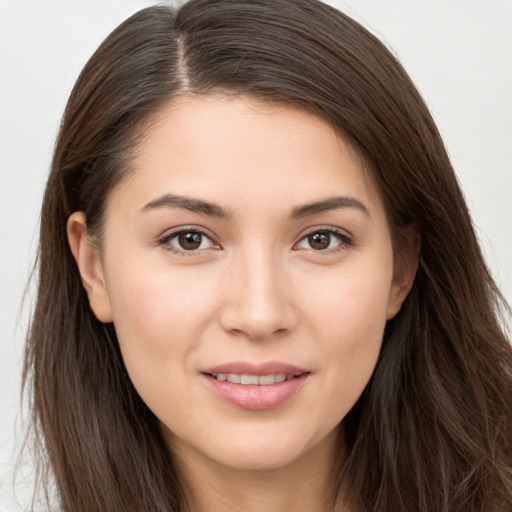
pixel 190 241
pixel 319 241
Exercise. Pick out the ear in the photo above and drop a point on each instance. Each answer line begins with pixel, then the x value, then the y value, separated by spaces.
pixel 405 267
pixel 90 266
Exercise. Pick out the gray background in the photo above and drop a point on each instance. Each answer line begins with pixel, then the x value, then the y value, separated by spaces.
pixel 457 51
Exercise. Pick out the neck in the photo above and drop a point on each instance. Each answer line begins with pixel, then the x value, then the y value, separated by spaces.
pixel 305 484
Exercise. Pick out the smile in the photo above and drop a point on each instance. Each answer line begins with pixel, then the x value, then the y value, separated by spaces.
pixel 255 387
pixel 254 380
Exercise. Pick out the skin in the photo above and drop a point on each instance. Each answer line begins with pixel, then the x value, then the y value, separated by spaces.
pixel 255 291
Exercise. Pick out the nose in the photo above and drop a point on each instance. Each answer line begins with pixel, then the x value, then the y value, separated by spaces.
pixel 257 301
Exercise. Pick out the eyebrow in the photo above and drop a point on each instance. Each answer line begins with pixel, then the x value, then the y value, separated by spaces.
pixel 187 203
pixel 328 204
pixel 213 210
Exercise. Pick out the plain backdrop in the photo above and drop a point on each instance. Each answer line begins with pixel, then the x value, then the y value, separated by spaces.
pixel 458 52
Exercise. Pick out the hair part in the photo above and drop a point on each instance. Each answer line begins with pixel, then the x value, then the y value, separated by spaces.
pixel 432 429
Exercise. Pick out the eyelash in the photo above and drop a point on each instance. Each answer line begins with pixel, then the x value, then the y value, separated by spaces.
pixel 165 240
pixel 345 240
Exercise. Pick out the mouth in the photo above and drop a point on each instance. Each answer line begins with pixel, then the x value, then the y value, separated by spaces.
pixel 256 387
pixel 253 380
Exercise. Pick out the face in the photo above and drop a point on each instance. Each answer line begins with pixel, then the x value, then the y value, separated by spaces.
pixel 247 266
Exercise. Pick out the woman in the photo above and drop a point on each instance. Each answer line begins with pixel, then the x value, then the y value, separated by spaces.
pixel 259 282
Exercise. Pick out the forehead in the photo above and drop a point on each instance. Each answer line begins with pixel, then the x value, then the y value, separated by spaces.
pixel 238 150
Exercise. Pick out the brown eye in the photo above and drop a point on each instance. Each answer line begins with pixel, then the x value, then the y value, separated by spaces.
pixel 320 240
pixel 324 240
pixel 188 241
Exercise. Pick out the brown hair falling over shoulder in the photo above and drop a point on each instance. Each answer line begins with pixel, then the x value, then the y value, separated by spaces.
pixel 433 429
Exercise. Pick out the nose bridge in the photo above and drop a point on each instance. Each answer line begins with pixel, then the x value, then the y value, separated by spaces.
pixel 258 302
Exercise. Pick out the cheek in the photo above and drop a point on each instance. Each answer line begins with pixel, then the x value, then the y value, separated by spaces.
pixel 155 306
pixel 352 303
pixel 350 317
pixel 158 322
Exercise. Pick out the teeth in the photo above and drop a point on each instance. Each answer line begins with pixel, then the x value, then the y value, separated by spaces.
pixel 266 379
pixel 249 379
pixel 254 380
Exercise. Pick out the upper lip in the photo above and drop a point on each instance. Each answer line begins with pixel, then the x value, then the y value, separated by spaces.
pixel 248 368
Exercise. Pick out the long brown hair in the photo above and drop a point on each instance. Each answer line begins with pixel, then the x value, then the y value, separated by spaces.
pixel 432 431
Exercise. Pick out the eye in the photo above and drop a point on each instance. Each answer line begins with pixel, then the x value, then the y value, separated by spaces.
pixel 187 240
pixel 324 240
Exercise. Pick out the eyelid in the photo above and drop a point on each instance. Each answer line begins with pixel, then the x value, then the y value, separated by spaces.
pixel 347 240
pixel 163 240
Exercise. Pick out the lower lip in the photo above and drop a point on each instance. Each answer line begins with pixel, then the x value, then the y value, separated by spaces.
pixel 257 398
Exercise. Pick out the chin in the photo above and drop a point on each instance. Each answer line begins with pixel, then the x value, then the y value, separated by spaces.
pixel 260 457
pixel 265 450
